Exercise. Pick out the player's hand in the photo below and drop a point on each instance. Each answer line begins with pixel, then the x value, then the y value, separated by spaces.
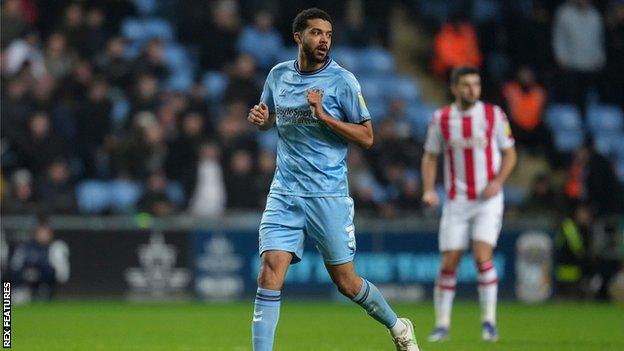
pixel 259 115
pixel 430 198
pixel 493 188
pixel 315 100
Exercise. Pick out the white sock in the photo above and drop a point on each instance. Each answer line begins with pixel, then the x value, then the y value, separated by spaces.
pixel 398 328
pixel 488 289
pixel 443 295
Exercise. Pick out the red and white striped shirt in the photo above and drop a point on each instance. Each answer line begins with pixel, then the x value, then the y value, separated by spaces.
pixel 471 141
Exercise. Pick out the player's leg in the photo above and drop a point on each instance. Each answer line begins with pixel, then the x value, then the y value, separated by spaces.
pixel 366 294
pixel 487 226
pixel 281 243
pixel 452 241
pixel 444 294
pixel 273 268
pixel 329 222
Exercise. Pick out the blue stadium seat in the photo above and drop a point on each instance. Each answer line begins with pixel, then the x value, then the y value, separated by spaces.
pixel 268 140
pixel 180 80
pixel 605 118
pixel 378 108
pixel 567 141
pixel 124 195
pixel 93 196
pixel 609 144
pixel 119 114
pixel 146 7
pixel 175 193
pixel 346 57
pixel 176 56
pixel 287 54
pixel 563 117
pixel 372 86
pixel 133 29
pixel 420 114
pixel 376 60
pixel 159 28
pixel 402 87
pixel 215 82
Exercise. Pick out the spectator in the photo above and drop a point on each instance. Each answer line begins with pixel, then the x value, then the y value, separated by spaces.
pixel 41 146
pixel 183 156
pixel 152 60
pixel 94 129
pixel 95 32
pixel 145 97
pixel 59 59
pixel 542 197
pixel 266 170
pixel 143 151
pixel 57 189
pixel 209 196
pixel 39 264
pixel 525 100
pixel 12 22
pixel 219 40
pixel 571 251
pixel 261 40
pixel 21 197
pixel 592 180
pixel 455 45
pixel 242 86
pixel 578 44
pixel 25 53
pixel 73 27
pixel 364 186
pixel 240 182
pixel 16 109
pixel 613 90
pixel 155 200
pixel 113 64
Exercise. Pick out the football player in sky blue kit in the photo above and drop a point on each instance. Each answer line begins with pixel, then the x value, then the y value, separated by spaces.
pixel 318 108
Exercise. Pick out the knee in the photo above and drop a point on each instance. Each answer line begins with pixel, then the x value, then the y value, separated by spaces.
pixel 348 286
pixel 268 278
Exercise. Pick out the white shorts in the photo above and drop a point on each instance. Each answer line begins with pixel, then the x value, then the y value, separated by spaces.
pixel 479 220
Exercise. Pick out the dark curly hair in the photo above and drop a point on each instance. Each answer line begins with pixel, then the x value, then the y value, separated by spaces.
pixel 301 20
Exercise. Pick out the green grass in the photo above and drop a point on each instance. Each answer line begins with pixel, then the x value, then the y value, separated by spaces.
pixel 305 326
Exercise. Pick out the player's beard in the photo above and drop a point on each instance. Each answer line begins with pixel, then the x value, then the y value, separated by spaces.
pixel 311 57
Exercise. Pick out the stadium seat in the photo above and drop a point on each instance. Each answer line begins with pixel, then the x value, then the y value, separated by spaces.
pixel 146 7
pixel 287 54
pixel 563 117
pixel 609 144
pixel 175 193
pixel 514 195
pixel 215 82
pixel 124 195
pixel 133 29
pixel 346 57
pixel 93 196
pixel 176 56
pixel 419 115
pixel 159 28
pixel 605 118
pixel 566 141
pixel 181 80
pixel 372 86
pixel 402 87
pixel 119 114
pixel 378 108
pixel 377 60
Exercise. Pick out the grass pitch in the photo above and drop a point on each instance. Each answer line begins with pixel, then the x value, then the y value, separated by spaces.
pixel 314 326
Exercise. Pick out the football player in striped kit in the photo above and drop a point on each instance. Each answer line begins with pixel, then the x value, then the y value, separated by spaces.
pixel 479 155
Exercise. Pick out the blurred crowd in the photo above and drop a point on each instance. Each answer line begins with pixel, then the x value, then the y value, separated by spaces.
pixel 81 101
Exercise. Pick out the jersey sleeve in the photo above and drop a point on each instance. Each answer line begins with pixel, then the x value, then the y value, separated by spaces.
pixel 433 142
pixel 267 93
pixel 352 101
pixel 502 131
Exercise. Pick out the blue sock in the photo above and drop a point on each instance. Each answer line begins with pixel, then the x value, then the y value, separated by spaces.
pixel 266 315
pixel 375 305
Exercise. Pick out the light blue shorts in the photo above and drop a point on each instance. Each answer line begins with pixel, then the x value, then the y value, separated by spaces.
pixel 328 221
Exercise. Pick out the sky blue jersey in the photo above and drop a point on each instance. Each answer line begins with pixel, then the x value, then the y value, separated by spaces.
pixel 311 158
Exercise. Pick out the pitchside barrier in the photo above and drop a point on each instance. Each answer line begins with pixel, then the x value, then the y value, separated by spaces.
pixel 141 258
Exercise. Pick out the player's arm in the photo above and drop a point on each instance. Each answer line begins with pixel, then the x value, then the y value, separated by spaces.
pixel 504 139
pixel 508 162
pixel 259 115
pixel 360 134
pixel 429 168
